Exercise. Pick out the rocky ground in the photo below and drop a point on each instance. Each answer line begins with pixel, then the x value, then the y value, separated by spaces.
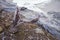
pixel 26 31
pixel 11 30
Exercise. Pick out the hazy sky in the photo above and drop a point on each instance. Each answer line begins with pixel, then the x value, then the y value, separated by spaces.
pixel 29 2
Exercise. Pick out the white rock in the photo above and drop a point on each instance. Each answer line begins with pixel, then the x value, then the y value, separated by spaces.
pixel 38 30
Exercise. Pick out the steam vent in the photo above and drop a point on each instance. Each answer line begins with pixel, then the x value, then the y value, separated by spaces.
pixel 15 25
